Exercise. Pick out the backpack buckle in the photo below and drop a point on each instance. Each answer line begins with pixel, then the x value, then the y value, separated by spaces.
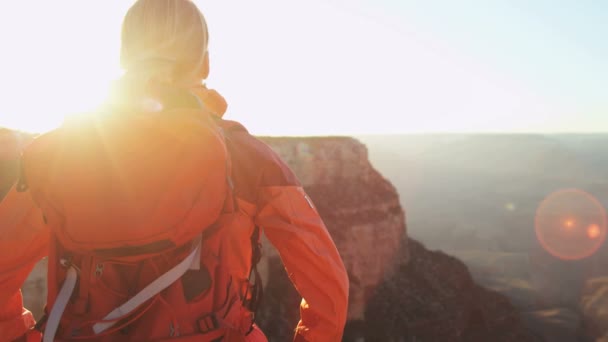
pixel 67 264
pixel 208 323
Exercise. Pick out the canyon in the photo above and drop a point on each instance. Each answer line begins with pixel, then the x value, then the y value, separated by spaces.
pixel 478 197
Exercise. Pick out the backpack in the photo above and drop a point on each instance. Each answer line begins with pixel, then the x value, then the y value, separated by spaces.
pixel 135 200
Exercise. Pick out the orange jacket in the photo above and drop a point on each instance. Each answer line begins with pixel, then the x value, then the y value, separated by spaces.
pixel 272 197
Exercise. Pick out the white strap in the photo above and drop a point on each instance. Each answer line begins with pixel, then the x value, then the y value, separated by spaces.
pixel 60 303
pixel 155 287
pixel 192 261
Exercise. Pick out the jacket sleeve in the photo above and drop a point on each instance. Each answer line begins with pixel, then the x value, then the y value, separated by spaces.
pixel 294 227
pixel 23 242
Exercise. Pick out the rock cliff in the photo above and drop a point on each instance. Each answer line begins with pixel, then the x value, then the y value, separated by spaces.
pixel 399 289
pixel 594 305
pixel 360 208
pixel 10 144
pixel 434 298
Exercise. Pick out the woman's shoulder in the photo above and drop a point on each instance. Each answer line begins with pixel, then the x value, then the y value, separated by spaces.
pixel 241 141
pixel 254 154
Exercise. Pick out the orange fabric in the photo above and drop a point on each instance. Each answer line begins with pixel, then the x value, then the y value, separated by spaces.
pixel 32 336
pixel 23 242
pixel 312 261
pixel 129 180
pixel 273 200
pixel 294 227
pixel 122 195
pixel 212 100
pixel 16 323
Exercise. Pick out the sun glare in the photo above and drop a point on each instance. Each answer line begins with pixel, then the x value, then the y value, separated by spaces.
pixel 59 71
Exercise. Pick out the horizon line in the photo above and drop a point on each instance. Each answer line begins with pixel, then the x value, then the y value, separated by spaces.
pixel 354 134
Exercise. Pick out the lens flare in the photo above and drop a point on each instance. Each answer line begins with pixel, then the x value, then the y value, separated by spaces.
pixel 571 224
pixel 594 231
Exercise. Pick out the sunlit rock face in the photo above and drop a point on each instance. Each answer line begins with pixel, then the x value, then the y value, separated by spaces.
pixel 11 144
pixel 360 208
pixel 594 308
pixel 34 289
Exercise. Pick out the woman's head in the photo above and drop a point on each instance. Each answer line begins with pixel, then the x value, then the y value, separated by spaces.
pixel 166 41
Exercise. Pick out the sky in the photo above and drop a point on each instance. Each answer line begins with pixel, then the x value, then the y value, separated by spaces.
pixel 336 67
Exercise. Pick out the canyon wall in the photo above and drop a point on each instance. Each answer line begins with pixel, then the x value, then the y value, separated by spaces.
pixel 360 208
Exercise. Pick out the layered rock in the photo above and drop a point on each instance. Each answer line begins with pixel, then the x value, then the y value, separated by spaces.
pixel 594 306
pixel 399 289
pixel 434 298
pixel 360 208
pixel 11 143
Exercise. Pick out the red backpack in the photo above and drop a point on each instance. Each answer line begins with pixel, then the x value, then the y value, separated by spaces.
pixel 134 200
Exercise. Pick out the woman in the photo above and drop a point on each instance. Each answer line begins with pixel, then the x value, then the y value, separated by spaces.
pixel 150 212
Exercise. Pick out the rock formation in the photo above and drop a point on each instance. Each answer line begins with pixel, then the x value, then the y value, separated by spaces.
pixel 399 289
pixel 434 298
pixel 10 144
pixel 594 306
pixel 360 208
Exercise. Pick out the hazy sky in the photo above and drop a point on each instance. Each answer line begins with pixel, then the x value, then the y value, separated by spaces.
pixel 336 67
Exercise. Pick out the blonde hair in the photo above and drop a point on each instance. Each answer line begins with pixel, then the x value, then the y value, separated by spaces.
pixel 165 40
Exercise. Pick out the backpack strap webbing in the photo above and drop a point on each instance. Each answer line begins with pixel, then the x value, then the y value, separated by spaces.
pixel 192 261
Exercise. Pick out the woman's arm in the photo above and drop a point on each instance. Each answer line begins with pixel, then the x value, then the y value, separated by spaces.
pixel 23 242
pixel 313 263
